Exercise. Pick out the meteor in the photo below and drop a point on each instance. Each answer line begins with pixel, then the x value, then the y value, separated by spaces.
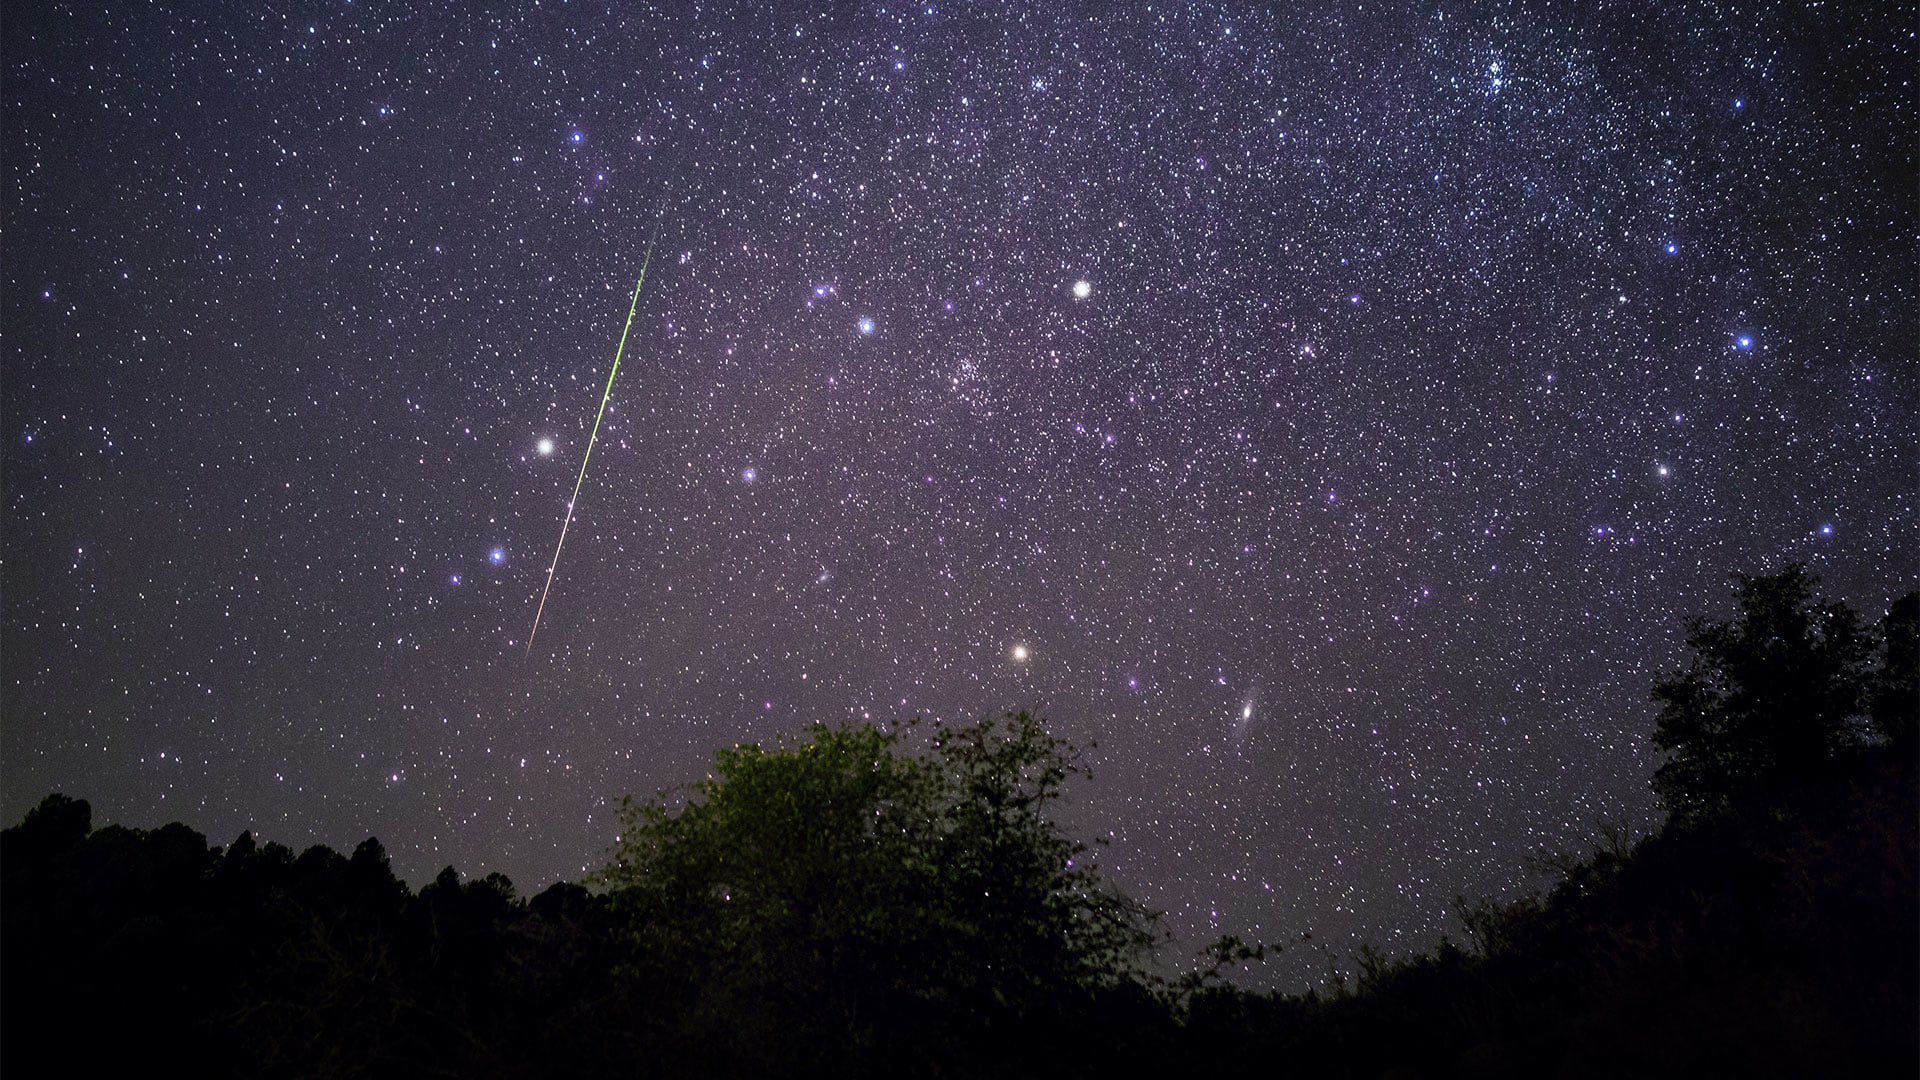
pixel 606 394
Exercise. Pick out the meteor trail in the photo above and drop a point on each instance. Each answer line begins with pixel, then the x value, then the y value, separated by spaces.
pixel 588 456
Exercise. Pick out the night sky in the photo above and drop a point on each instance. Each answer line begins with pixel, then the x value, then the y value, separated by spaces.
pixel 1330 411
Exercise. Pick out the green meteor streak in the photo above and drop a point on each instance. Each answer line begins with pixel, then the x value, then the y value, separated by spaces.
pixel 588 456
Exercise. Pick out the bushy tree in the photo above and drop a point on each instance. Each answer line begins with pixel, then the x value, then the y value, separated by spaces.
pixel 1896 692
pixel 1771 697
pixel 868 903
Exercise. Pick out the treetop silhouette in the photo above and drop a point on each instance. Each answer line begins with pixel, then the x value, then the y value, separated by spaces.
pixel 1776 694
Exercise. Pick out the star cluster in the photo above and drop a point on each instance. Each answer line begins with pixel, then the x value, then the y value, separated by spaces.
pixel 1324 414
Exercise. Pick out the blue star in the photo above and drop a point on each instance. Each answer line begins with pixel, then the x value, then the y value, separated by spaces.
pixel 497 556
pixel 1743 341
pixel 866 326
pixel 576 138
pixel 1673 248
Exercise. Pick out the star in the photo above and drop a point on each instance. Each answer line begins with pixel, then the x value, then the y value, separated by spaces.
pixel 1312 291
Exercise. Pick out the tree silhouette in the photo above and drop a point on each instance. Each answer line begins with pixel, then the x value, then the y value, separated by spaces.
pixel 1896 692
pixel 898 901
pixel 1770 698
pixel 50 830
pixel 871 902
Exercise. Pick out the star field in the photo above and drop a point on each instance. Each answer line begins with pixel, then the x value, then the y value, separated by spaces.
pixel 1331 413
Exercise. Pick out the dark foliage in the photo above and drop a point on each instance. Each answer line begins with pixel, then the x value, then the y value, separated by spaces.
pixel 1772 928
pixel 842 906
pixel 851 907
pixel 1781 945
pixel 1895 696
pixel 1773 696
pixel 838 906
